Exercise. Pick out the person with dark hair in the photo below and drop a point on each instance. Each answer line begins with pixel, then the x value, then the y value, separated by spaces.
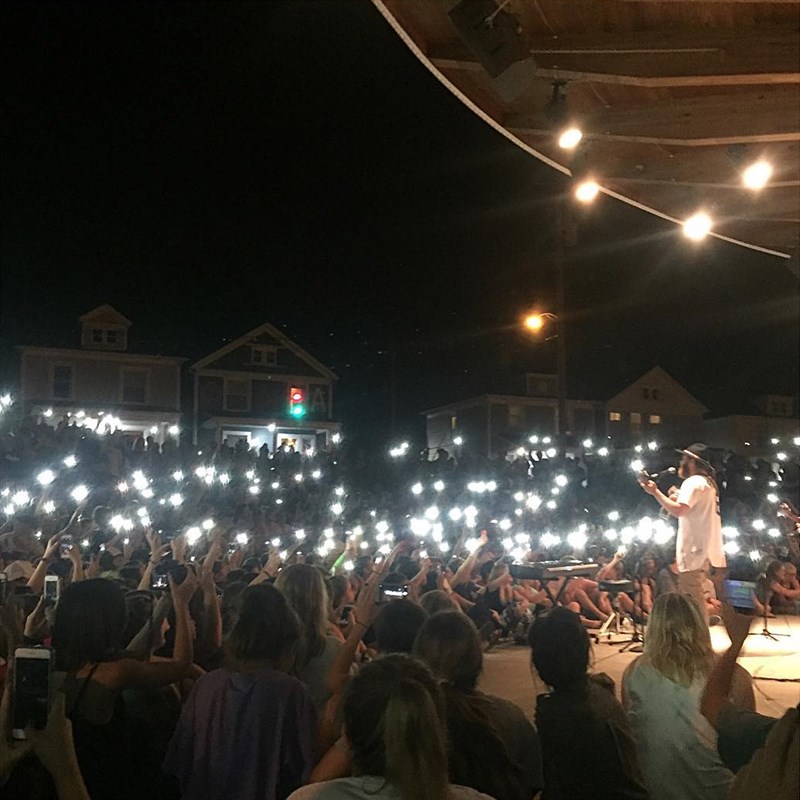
pixel 696 507
pixel 393 716
pixel 247 730
pixel 493 748
pixel 580 722
pixel 396 626
pixel 88 640
pixel 781 593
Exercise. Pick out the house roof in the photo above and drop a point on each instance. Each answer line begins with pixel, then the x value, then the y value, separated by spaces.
pixel 106 313
pixel 276 334
pixel 661 373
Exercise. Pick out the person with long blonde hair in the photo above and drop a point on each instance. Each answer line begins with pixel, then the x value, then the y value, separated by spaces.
pixel 661 693
pixel 303 586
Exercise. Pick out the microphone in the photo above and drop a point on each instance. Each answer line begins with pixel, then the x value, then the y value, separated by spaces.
pixel 654 476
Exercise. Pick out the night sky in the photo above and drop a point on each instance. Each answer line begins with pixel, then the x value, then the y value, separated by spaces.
pixel 207 167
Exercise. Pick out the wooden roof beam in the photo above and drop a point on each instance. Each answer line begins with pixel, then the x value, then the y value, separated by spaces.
pixel 708 141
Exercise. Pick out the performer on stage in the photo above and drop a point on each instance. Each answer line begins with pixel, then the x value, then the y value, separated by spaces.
pixel 699 542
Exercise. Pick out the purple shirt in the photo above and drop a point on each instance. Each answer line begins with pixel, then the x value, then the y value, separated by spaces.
pixel 243 736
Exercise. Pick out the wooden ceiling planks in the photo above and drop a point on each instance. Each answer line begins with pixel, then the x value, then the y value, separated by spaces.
pixel 664 90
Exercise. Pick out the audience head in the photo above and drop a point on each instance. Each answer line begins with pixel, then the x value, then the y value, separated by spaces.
pixel 304 589
pixel 393 713
pixel 438 600
pixel 396 626
pixel 560 648
pixel 449 644
pixel 678 643
pixel 89 624
pixel 775 571
pixel 267 630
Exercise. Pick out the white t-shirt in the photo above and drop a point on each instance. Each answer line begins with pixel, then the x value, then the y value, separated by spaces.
pixel 369 787
pixel 700 530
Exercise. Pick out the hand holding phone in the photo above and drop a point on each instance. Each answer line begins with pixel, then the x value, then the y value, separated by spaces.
pixel 52 585
pixel 31 693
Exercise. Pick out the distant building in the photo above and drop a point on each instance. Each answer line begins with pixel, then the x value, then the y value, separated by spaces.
pixel 242 391
pixel 654 406
pixel 752 434
pixel 102 378
pixel 496 423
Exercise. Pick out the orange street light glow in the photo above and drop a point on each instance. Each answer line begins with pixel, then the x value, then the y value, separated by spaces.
pixel 534 322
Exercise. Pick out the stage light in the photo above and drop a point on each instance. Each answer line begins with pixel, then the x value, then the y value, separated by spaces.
pixel 586 191
pixel 697 227
pixel 757 175
pixel 458 441
pixel 570 138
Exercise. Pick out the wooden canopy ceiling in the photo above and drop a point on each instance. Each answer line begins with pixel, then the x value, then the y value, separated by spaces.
pixel 674 97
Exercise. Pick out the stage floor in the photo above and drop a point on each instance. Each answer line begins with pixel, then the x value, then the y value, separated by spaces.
pixel 774 665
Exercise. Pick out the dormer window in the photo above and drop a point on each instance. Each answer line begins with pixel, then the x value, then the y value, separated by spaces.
pixel 104 328
pixel 263 355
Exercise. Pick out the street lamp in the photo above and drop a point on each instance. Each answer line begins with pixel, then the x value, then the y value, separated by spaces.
pixel 535 323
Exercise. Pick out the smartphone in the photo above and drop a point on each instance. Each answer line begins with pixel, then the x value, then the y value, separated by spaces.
pixel 66 544
pixel 345 618
pixel 30 696
pixel 391 591
pixel 51 588
pixel 158 579
pixel 3 587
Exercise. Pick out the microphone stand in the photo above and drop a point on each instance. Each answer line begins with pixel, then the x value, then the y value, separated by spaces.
pixel 636 643
pixel 766 632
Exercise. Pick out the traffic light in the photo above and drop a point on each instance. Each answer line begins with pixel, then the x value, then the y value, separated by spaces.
pixel 297 402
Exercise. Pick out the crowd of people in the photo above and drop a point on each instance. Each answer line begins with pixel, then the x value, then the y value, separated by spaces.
pixel 246 624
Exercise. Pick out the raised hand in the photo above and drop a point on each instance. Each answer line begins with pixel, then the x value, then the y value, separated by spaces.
pixel 52 546
pixel 183 592
pixel 178 545
pixel 737 625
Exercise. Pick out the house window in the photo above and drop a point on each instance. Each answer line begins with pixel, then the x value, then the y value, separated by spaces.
pixel 614 416
pixel 62 382
pixel 134 386
pixel 111 337
pixel 237 395
pixel 516 417
pixel 263 356
pixel 655 419
pixel 97 335
pixel 636 418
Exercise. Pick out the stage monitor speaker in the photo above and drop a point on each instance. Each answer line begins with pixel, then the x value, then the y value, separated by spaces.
pixel 494 37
